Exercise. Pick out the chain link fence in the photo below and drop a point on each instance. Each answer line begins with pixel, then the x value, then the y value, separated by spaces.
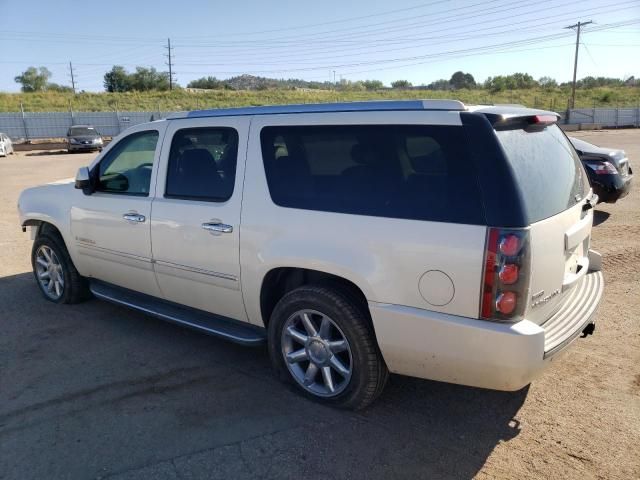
pixel 26 126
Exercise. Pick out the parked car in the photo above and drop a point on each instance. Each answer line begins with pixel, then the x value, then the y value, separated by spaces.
pixel 423 238
pixel 83 138
pixel 6 146
pixel 609 171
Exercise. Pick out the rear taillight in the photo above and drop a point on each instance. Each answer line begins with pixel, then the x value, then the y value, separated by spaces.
pixel 602 168
pixel 506 274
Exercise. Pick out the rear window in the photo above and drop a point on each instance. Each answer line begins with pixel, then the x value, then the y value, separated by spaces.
pixel 547 169
pixel 416 172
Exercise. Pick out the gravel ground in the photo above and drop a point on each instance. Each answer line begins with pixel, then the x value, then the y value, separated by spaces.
pixel 97 391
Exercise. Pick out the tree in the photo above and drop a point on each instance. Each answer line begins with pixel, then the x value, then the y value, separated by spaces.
pixel 34 79
pixel 54 87
pixel 547 82
pixel 211 83
pixel 442 84
pixel 400 84
pixel 510 82
pixel 119 80
pixel 116 80
pixel 148 79
pixel 462 80
pixel 372 84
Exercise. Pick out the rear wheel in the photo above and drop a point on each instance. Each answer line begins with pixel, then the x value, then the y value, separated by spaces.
pixel 322 343
pixel 55 274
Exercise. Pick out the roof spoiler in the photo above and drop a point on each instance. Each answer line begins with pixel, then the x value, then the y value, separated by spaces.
pixel 529 122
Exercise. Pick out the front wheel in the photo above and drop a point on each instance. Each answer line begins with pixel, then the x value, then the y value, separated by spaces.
pixel 55 273
pixel 322 342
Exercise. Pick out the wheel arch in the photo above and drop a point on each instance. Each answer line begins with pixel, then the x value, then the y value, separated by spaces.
pixel 279 281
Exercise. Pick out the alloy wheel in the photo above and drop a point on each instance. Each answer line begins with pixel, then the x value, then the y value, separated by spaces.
pixel 317 353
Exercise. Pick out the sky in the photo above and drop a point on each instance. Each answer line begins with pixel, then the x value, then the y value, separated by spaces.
pixel 420 41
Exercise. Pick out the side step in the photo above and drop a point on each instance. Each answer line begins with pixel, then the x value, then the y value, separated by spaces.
pixel 232 330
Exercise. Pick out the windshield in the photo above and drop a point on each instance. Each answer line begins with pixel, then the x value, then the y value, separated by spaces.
pixel 548 171
pixel 83 131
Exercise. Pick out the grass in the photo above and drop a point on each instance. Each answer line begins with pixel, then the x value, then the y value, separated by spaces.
pixel 553 99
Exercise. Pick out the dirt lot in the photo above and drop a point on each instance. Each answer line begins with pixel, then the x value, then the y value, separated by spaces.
pixel 96 391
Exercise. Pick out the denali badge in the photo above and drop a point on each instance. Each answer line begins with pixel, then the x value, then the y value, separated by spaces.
pixel 539 298
pixel 85 240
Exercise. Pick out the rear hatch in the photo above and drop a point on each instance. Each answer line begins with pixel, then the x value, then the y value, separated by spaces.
pixel 555 193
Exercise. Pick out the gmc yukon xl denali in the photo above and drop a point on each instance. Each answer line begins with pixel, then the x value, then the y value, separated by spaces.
pixel 424 238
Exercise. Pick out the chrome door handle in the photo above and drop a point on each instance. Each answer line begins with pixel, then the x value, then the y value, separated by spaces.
pixel 134 217
pixel 217 227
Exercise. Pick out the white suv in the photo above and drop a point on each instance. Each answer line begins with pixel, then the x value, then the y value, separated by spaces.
pixel 425 238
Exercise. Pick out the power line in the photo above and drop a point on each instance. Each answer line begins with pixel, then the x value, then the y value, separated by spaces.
pixel 577 27
pixel 310 58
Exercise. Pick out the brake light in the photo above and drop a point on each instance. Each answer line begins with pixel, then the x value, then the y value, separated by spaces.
pixel 547 119
pixel 506 274
pixel 509 245
pixel 602 168
pixel 506 303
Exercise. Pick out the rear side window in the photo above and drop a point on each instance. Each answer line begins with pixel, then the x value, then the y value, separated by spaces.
pixel 202 164
pixel 400 171
pixel 547 169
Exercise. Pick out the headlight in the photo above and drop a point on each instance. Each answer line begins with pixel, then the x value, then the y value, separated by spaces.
pixel 97 140
pixel 73 140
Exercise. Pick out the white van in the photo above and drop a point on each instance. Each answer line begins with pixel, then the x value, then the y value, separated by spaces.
pixel 425 238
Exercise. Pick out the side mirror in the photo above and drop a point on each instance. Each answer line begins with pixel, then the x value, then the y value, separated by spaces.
pixel 83 180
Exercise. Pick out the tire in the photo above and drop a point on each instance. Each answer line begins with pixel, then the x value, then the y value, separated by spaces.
pixel 367 370
pixel 74 287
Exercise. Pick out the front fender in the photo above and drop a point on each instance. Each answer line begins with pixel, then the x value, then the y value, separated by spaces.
pixel 51 204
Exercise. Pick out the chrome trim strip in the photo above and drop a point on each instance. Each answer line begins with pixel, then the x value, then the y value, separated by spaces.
pixel 90 246
pixel 196 270
pixel 220 333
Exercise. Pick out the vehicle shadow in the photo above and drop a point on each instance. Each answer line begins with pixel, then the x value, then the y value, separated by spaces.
pixel 39 153
pixel 167 396
pixel 600 216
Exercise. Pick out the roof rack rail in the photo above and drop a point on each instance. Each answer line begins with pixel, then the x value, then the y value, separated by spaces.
pixel 385 105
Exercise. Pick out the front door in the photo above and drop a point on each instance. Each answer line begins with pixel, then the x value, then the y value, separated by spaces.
pixel 111 227
pixel 196 214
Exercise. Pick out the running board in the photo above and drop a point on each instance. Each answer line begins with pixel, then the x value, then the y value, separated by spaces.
pixel 226 328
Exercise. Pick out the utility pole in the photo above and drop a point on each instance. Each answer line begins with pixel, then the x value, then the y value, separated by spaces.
pixel 170 63
pixel 577 26
pixel 73 80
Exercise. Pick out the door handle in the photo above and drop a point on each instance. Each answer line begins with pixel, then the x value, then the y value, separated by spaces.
pixel 134 217
pixel 217 227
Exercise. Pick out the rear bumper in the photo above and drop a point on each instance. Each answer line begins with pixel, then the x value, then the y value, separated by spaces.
pixel 478 353
pixel 612 188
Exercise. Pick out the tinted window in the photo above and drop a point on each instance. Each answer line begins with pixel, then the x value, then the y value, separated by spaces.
pixel 547 169
pixel 127 167
pixel 401 171
pixel 202 164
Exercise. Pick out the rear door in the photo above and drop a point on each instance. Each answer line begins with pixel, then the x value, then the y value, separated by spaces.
pixel 195 226
pixel 555 190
